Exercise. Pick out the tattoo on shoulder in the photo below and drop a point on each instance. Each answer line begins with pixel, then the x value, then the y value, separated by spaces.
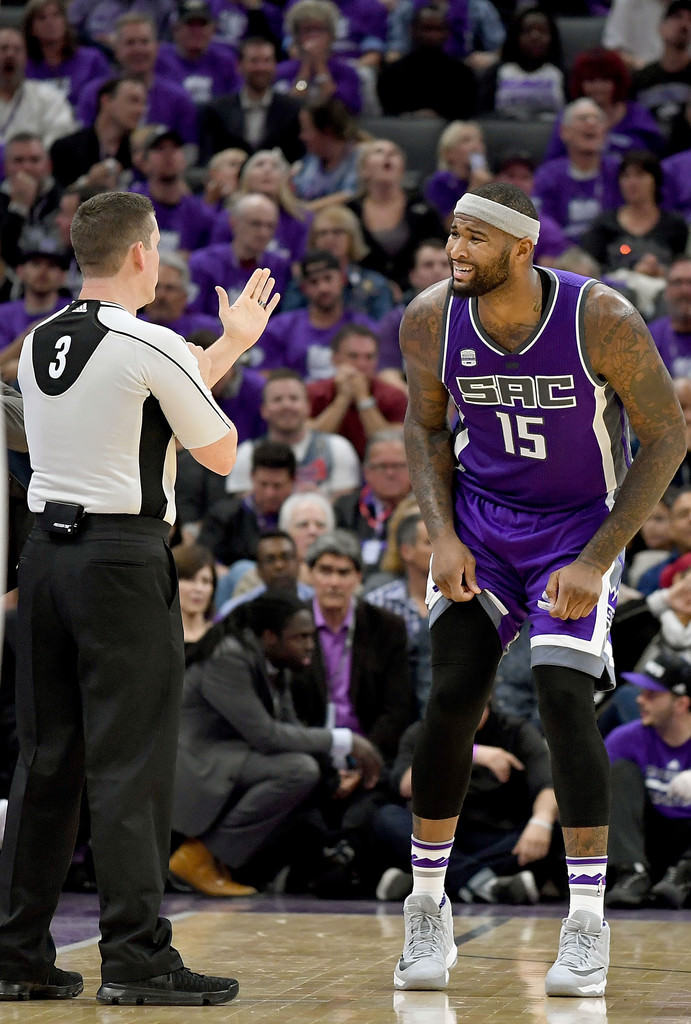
pixel 622 351
pixel 422 324
pixel 617 339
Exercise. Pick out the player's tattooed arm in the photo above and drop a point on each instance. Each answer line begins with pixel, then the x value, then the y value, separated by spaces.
pixel 621 350
pixel 427 437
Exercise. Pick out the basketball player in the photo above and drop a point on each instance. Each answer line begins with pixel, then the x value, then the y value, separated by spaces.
pixel 528 507
pixel 100 655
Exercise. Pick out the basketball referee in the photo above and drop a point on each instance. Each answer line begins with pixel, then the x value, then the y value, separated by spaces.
pixel 100 651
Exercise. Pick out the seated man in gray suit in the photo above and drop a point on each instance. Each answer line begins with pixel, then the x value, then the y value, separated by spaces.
pixel 245 762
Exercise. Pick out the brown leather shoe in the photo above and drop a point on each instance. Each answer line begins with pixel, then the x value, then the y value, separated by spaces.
pixel 193 864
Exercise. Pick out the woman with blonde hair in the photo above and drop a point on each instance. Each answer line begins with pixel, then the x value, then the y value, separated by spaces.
pixel 267 172
pixel 222 177
pixel 461 166
pixel 337 230
pixel 394 220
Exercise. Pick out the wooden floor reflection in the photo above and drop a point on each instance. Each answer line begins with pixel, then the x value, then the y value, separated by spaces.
pixel 305 968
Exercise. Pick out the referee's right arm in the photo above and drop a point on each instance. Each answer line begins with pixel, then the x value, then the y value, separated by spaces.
pixel 243 323
pixel 219 456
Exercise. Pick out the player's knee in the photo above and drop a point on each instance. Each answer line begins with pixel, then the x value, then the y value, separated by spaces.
pixel 454 696
pixel 561 690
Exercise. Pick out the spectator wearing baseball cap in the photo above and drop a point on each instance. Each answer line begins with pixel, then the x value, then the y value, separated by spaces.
pixel 202 65
pixel 184 220
pixel 42 271
pixel 650 827
pixel 301 339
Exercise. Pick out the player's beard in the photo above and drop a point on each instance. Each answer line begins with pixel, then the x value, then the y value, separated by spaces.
pixel 486 279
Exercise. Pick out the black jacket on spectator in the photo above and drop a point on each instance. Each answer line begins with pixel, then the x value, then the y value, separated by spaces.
pixel 428 79
pixel 222 126
pixel 15 229
pixel 230 530
pixel 74 155
pixel 421 221
pixel 380 691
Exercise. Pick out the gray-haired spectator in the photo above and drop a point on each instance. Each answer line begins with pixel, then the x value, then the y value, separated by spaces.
pixel 306 516
pixel 575 188
pixel 253 221
pixel 315 74
pixel 359 674
pixel 96 20
pixel 341 543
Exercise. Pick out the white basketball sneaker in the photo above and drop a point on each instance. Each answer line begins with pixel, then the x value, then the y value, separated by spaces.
pixel 583 958
pixel 429 950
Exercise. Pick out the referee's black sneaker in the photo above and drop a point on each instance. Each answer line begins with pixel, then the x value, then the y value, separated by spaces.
pixel 57 984
pixel 179 988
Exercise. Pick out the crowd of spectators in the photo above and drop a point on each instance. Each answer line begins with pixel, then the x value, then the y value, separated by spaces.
pixel 303 574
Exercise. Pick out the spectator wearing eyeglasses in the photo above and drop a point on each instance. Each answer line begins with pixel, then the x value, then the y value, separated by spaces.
pixel 672 332
pixel 366 512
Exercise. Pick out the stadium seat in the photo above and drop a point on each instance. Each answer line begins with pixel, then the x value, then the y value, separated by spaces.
pixel 579 34
pixel 417 137
pixel 504 134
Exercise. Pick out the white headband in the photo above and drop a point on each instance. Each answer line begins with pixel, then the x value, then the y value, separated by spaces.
pixel 502 217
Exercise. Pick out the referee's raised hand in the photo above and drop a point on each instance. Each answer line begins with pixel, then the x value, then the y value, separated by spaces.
pixel 245 320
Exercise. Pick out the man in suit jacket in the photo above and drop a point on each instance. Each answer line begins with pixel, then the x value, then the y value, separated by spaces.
pixel 98 153
pixel 359 674
pixel 245 762
pixel 256 116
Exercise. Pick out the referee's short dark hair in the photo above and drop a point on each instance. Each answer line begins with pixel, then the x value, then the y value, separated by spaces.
pixel 104 228
pixel 274 455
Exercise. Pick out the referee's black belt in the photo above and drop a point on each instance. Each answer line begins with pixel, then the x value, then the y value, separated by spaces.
pixel 63 519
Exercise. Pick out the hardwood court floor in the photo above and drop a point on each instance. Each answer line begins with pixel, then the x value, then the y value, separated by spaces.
pixel 316 966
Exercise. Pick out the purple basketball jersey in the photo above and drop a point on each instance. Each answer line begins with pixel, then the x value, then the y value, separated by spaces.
pixel 542 448
pixel 538 429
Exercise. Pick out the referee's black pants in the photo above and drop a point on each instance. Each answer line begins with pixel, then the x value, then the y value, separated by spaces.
pixel 100 665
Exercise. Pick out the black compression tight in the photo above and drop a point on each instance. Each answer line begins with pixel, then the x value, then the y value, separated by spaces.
pixel 465 655
pixel 580 765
